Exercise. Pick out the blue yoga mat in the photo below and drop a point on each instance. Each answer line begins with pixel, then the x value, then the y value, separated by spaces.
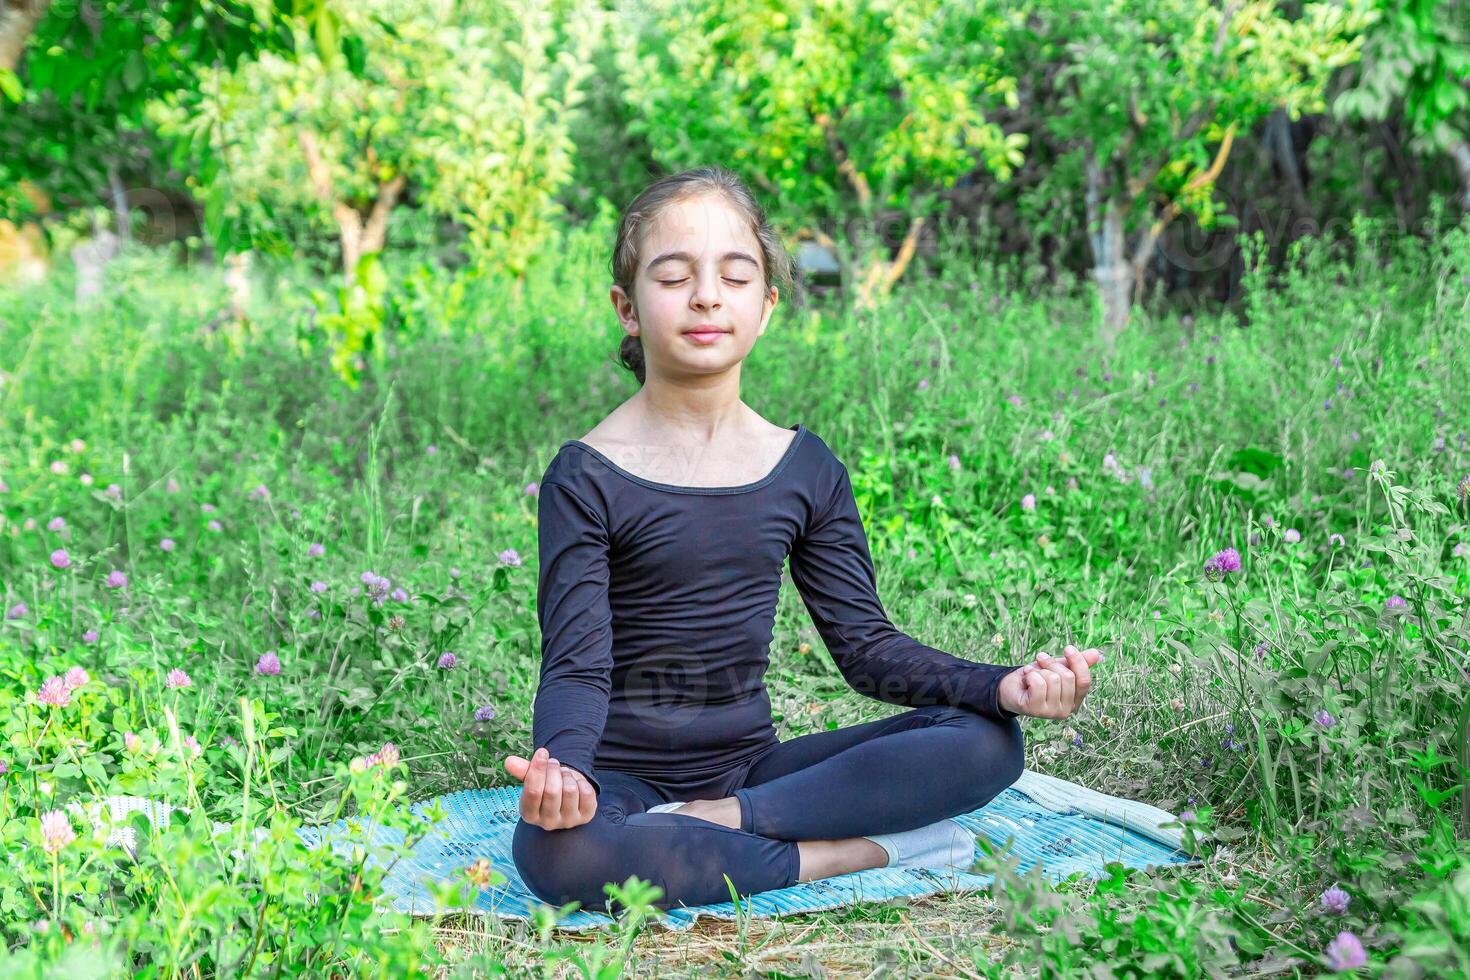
pixel 1065 827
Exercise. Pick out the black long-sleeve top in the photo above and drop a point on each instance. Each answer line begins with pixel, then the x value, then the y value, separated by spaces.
pixel 656 604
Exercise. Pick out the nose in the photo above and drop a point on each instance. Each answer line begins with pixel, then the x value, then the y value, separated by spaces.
pixel 706 293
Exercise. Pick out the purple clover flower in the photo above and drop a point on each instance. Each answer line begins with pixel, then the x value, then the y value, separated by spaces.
pixel 316 550
pixel 56 524
pixel 485 712
pixel 178 678
pixel 1335 900
pixel 167 544
pixel 377 586
pixel 1291 535
pixel 90 636
pixel 17 611
pixel 1395 602
pixel 318 587
pixel 447 661
pixel 215 526
pixel 399 595
pixel 510 557
pixel 1324 719
pixel 532 489
pixel 117 579
pixel 55 692
pixel 1346 952
pixel 1337 540
pixel 269 664
pixel 1222 563
pixel 60 559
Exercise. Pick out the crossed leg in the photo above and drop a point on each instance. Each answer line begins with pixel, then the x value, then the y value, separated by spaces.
pixel 826 789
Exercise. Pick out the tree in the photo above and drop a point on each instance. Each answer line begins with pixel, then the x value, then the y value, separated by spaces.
pixel 464 105
pixel 1147 105
pixel 1417 56
pixel 836 109
pixel 75 79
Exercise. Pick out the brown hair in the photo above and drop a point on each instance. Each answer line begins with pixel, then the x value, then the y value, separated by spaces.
pixel 779 267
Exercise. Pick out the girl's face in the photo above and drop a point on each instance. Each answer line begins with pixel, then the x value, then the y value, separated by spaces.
pixel 700 290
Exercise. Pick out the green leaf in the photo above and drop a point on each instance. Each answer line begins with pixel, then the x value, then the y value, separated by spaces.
pixel 135 71
pixel 10 85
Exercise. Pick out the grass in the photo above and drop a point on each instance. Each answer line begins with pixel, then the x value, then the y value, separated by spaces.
pixel 1220 428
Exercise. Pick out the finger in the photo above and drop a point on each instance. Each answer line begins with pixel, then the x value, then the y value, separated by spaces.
pixel 1053 693
pixel 551 802
pixel 586 798
pixel 1069 682
pixel 1078 663
pixel 517 766
pixel 1036 693
pixel 570 794
pixel 535 786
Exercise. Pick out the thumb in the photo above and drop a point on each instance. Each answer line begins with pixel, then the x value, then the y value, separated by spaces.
pixel 517 766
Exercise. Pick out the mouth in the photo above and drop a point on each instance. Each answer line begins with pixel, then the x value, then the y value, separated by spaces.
pixel 705 334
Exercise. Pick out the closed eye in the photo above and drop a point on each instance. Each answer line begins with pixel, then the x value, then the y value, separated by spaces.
pixel 675 282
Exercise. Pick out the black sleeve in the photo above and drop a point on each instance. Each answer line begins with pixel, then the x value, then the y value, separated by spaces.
pixel 572 607
pixel 833 571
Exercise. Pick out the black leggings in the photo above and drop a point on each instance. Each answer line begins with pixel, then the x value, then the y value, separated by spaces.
pixel 879 777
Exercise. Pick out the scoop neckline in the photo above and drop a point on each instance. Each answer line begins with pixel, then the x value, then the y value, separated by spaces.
pixel 799 428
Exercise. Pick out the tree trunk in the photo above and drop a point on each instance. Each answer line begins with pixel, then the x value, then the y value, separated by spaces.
pixel 1111 269
pixel 358 237
pixel 18 19
pixel 237 282
pixel 1460 153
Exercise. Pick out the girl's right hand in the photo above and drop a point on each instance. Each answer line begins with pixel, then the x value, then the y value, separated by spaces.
pixel 554 796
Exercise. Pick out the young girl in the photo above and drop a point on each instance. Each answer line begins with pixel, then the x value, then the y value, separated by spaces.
pixel 662 535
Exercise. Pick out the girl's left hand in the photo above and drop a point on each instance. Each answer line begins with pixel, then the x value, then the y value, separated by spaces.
pixel 1052 687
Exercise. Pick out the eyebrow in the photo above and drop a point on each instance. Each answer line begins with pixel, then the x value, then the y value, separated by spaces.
pixel 686 257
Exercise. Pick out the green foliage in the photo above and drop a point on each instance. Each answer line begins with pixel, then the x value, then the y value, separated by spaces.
pixel 1416 57
pixel 76 103
pixel 469 104
pixel 835 109
pixel 1151 97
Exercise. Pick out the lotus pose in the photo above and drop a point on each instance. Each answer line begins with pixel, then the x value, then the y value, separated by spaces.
pixel 662 537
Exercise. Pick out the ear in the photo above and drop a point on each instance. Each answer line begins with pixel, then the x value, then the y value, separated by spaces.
pixel 772 298
pixel 626 310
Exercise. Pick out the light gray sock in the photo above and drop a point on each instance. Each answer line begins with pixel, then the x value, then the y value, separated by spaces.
pixel 664 808
pixel 942 844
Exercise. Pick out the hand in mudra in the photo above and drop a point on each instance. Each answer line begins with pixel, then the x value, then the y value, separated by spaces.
pixel 553 796
pixel 1052 687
